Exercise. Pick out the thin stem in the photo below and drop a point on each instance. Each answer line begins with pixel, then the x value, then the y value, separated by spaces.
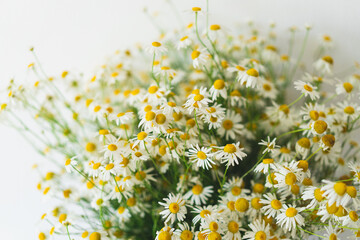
pixel 296 100
pixel 67 230
pixel 294 131
pixel 250 170
pixel 307 159
pixel 311 232
pixel 198 128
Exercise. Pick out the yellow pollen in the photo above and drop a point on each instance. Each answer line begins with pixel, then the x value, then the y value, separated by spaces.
pixel 109 166
pixel 231 205
pixel 97 108
pixel 236 191
pixel 353 216
pixel 198 97
pixel 340 188
pixel 186 235
pixel 219 84
pixel 328 59
pixel 197 189
pixel 201 155
pixel 314 115
pixel 318 194
pixel 131 202
pixel 112 147
pixel 291 212
pixel 276 204
pixel 228 124
pixel 90 147
pixel 215 27
pixel 320 126
pixel 196 9
pixel 290 178
pixel 141 135
pixel 268 160
pixel 260 235
pixel 308 88
pixel 328 140
pixel 349 110
pixel 241 205
pixel 153 89
pixel 204 212
pixel 304 143
pixel 351 190
pixel 348 87
pixel 67 162
pixel 103 131
pixel 213 226
pixel 156 44
pixel 149 116
pixel 304 165
pixel 195 54
pixel 95 236
pixel 252 72
pixel 233 227
pixel 255 203
pixel 160 118
pixel 230 148
pixel 174 208
pixel 184 38
pixel 258 188
pixel 96 166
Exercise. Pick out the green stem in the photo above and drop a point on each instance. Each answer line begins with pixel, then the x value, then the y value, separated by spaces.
pixel 197 124
pixel 307 159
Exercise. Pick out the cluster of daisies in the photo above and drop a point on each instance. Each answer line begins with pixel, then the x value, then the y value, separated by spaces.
pixel 202 134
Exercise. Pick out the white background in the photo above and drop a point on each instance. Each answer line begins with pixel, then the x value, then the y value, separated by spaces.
pixel 78 34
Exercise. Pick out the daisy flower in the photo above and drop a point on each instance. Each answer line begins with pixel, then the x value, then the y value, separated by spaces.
pixel 231 228
pixel 70 163
pixel 121 117
pixel 259 230
pixel 345 88
pixel 231 126
pixel 350 110
pixel 110 169
pixel 198 99
pixel 307 89
pixel 249 78
pixel 332 232
pixel 156 48
pixel 201 156
pixel 314 194
pixel 335 192
pixel 199 58
pixel 351 219
pixel 198 194
pixel 175 208
pixel 271 205
pixel 324 65
pixel 230 154
pixel 165 233
pixel 184 42
pixel 184 232
pixel 290 217
pixel 202 212
pixel 218 89
pixel 265 165
pixel 270 145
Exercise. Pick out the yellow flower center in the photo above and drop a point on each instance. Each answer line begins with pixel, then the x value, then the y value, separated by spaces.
pixel 308 88
pixel 96 165
pixel 276 204
pixel 242 204
pixel 141 135
pixel 90 147
pixel 174 208
pixel 348 87
pixel 353 216
pixel 95 236
pixel 340 188
pixel 184 38
pixel 318 194
pixel 214 236
pixel 201 155
pixel 290 178
pixel 351 190
pixel 349 110
pixel 304 143
pixel 67 162
pixel 233 227
pixel 131 202
pixel 268 161
pixel 97 108
pixel 228 124
pixel 328 140
pixel 260 235
pixel 198 97
pixel 333 236
pixel 153 89
pixel 197 189
pixel 213 226
pixel 215 27
pixel 219 84
pixel 109 166
pixel 121 210
pixel 331 209
pixel 186 235
pixel 291 212
pixel 103 131
pixel 252 72
pixel 156 44
pixel 112 147
pixel 328 59
pixel 195 54
pixel 235 191
pixel 204 212
pixel 99 202
pixel 160 118
pixel 196 9
pixel 140 175
pixel 171 104
pixel 149 116
pixel 314 115
pixel 255 203
pixel 230 148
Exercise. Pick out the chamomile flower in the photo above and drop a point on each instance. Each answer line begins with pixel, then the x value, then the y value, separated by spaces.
pixel 121 117
pixel 231 228
pixel 218 89
pixel 198 194
pixel 265 165
pixel 231 153
pixel 249 78
pixel 156 48
pixel 231 125
pixel 314 194
pixel 290 217
pixel 197 101
pixel 199 58
pixel 335 192
pixel 324 65
pixel 202 212
pixel 70 163
pixel 270 145
pixel 307 89
pixel 184 232
pixel 259 230
pixel 201 156
pixel 165 233
pixel 184 42
pixel 271 205
pixel 175 208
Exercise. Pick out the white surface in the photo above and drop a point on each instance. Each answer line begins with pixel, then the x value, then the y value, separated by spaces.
pixel 76 35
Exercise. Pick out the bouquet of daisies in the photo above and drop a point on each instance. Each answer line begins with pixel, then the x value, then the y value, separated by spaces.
pixel 194 137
